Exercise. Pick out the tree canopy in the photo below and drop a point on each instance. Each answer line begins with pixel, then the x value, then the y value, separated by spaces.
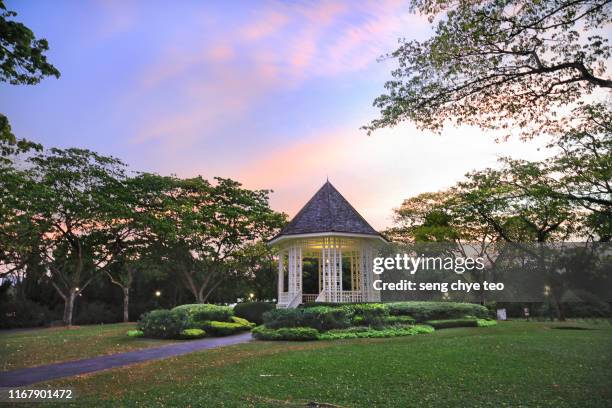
pixel 22 62
pixel 510 64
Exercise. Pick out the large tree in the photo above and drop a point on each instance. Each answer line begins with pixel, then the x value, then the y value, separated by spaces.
pixel 213 224
pixel 74 191
pixel 510 64
pixel 134 223
pixel 22 62
pixel 17 233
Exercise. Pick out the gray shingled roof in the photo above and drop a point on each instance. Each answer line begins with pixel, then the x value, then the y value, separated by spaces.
pixel 328 211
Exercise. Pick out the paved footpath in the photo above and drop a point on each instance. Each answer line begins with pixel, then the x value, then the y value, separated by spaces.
pixel 27 376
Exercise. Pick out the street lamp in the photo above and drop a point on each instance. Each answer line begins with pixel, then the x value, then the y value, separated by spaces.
pixel 251 295
pixel 157 293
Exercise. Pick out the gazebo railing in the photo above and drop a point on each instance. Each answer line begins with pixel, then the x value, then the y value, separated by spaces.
pixel 308 297
pixel 284 298
pixel 346 296
pixel 351 296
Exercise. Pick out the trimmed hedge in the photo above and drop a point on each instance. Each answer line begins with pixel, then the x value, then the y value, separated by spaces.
pixel 424 311
pixel 253 311
pixel 191 321
pixel 421 311
pixel 243 322
pixel 400 320
pixel 201 312
pixel 465 322
pixel 278 318
pixel 367 314
pixel 135 333
pixel 319 317
pixel 193 333
pixel 163 324
pixel 325 318
pixel 286 333
pixel 224 328
pixel 308 333
pixel 486 322
pixel 373 333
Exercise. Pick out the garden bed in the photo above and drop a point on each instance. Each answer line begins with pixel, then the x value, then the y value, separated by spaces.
pixel 368 320
pixel 191 321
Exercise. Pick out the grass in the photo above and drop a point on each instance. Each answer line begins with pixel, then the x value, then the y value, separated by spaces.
pixel 512 364
pixel 27 348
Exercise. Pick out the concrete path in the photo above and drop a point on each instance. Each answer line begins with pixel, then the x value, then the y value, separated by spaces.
pixel 27 376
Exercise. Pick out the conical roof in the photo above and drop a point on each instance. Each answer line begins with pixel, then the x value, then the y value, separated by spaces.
pixel 328 211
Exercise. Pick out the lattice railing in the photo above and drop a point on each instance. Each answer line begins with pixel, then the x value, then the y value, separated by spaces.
pixel 353 296
pixel 307 297
pixel 284 298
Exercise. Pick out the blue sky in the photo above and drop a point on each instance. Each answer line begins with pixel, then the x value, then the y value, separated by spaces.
pixel 269 93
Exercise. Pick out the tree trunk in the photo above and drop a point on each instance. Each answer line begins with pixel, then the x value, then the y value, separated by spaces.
pixel 558 308
pixel 126 304
pixel 200 295
pixel 69 308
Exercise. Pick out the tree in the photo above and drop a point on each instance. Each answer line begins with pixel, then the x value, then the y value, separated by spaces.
pixel 214 223
pixel 424 218
pixel 22 62
pixel 133 220
pixel 257 270
pixel 74 191
pixel 516 204
pixel 498 64
pixel 583 159
pixel 17 235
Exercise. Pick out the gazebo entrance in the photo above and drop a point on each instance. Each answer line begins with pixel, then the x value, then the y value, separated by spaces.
pixel 325 253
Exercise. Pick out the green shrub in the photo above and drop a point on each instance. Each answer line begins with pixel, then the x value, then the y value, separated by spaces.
pixel 135 333
pixel 368 314
pixel 223 328
pixel 162 324
pixel 399 320
pixel 202 312
pixel 424 311
pixel 449 323
pixel 18 313
pixel 373 333
pixel 486 322
pixel 193 333
pixel 285 333
pixel 324 318
pixel 278 318
pixel 253 311
pixel 242 322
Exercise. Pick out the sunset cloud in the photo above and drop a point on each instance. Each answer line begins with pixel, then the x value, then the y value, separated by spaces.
pixel 271 94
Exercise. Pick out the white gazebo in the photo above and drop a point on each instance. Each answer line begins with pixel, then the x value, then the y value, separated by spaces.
pixel 338 245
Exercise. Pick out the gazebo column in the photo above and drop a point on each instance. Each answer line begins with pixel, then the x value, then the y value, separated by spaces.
pixel 295 272
pixel 367 274
pixel 355 271
pixel 281 274
pixel 331 259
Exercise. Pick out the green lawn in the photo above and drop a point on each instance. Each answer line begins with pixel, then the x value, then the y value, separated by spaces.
pixel 29 348
pixel 512 364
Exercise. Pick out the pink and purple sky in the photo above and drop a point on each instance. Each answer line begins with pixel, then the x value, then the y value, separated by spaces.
pixel 269 93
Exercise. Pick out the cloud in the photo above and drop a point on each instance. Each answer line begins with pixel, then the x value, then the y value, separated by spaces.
pixel 281 47
pixel 267 25
pixel 375 173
